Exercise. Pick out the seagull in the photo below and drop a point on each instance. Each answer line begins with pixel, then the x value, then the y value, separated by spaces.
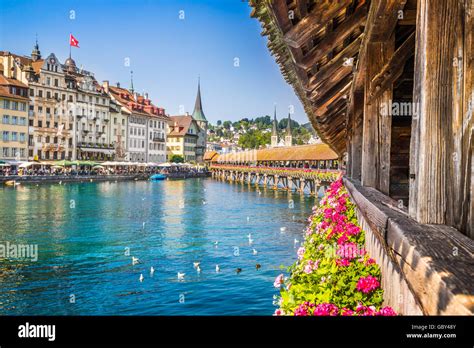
pixel 60 182
pixel 250 240
pixel 143 198
pixel 181 276
pixel 258 266
pixel 248 218
pixel 196 264
pixel 296 241
pixel 249 235
pixel 216 242
pixel 152 270
pixel 238 270
pixel 282 229
pixel 143 225
pixel 141 278
pixel 218 269
pixel 254 251
pixel 198 269
pixel 135 260
pixel 204 202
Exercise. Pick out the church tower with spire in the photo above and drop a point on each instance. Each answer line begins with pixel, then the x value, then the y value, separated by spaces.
pixel 200 118
pixel 288 135
pixel 274 138
pixel 36 54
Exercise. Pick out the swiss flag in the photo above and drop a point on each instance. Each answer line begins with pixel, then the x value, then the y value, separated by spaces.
pixel 73 41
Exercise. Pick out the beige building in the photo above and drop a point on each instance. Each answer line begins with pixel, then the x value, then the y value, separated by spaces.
pixel 146 125
pixel 14 119
pixel 50 110
pixel 183 137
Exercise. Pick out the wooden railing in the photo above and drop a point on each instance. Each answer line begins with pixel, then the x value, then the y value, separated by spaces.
pixel 305 173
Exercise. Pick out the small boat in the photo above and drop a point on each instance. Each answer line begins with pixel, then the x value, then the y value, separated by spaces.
pixel 12 183
pixel 157 177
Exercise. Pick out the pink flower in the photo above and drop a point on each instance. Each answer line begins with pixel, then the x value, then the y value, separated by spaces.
pixel 325 309
pixel 301 311
pixel 370 261
pixel 278 281
pixel 365 310
pixel 300 252
pixel 386 311
pixel 367 284
pixel 347 312
pixel 343 262
pixel 348 250
pixel 278 312
pixel 311 266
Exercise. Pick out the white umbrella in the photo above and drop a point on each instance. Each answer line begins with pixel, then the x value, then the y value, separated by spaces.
pixel 165 165
pixel 27 164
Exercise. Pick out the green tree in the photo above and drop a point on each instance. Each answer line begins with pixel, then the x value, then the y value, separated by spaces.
pixel 176 159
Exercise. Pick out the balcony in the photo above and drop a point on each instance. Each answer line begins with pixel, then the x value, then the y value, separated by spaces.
pixel 159 139
pixel 95 146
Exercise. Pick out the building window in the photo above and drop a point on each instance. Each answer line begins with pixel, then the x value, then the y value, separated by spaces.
pixel 22 137
pixel 40 93
pixel 32 92
pixel 6 119
pixel 6 104
pixel 56 82
pixel 6 152
pixel 6 136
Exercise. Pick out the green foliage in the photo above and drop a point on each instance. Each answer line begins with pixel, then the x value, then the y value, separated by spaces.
pixel 176 159
pixel 253 139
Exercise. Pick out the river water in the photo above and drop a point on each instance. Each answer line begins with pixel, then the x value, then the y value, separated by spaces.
pixel 87 234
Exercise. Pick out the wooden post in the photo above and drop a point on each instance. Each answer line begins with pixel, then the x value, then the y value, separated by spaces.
pixel 376 126
pixel 442 130
pixel 356 118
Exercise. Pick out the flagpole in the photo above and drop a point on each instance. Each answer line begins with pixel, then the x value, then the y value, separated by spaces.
pixel 69 45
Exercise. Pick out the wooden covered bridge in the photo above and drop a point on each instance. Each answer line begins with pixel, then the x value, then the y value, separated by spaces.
pixel 304 169
pixel 388 85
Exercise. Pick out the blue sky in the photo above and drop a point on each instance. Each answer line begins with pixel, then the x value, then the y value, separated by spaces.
pixel 166 53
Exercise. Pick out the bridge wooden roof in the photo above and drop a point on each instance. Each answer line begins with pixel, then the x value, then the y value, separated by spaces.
pixel 319 45
pixel 293 153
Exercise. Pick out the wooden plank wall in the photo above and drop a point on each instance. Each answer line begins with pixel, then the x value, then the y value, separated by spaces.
pixel 441 142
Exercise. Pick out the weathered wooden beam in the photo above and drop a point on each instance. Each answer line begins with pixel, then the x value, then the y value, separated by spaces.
pixel 441 152
pixel 408 17
pixel 340 89
pixel 381 21
pixel 282 15
pixel 334 38
pixel 339 60
pixel 377 126
pixel 393 69
pixel 301 8
pixel 314 21
pixel 340 74
pixel 356 118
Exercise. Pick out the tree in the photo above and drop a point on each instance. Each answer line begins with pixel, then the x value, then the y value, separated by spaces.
pixel 219 122
pixel 176 159
pixel 227 124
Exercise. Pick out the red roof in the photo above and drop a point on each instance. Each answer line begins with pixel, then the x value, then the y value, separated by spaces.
pixel 5 84
pixel 179 125
pixel 139 106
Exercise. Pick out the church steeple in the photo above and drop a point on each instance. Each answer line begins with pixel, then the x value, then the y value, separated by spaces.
pixel 288 136
pixel 274 138
pixel 198 113
pixel 131 81
pixel 36 54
